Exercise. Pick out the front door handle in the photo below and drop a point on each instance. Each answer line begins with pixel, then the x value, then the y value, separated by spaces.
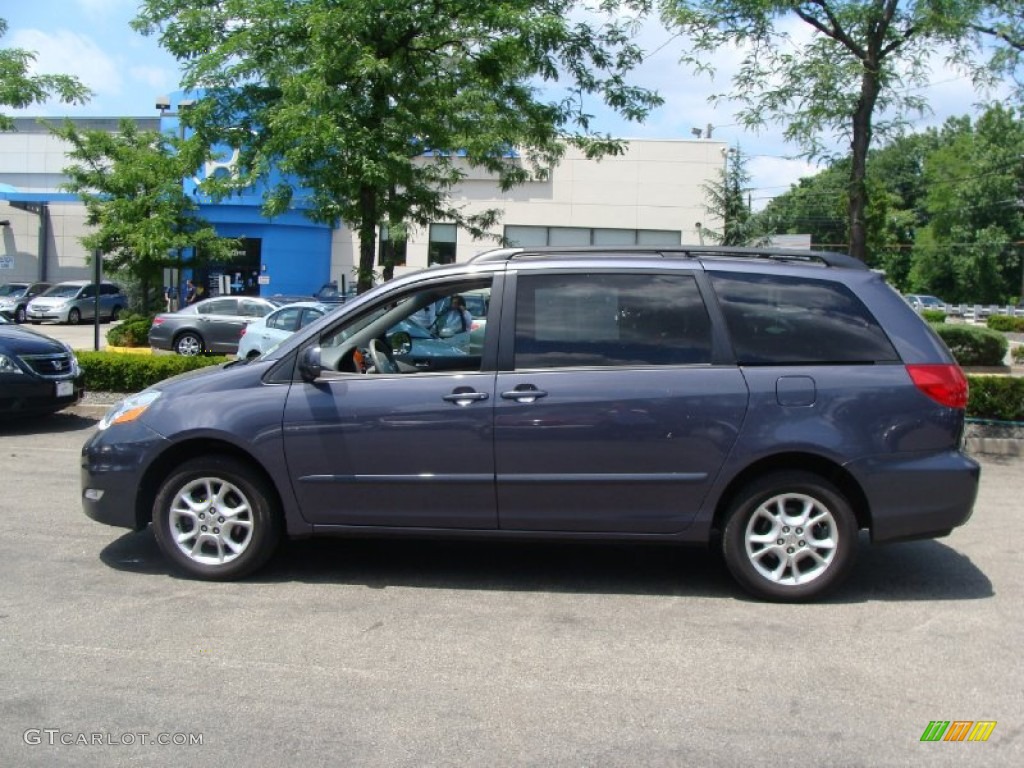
pixel 464 396
pixel 524 393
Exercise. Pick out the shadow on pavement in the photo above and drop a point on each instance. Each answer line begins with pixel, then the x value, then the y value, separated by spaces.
pixel 62 421
pixel 925 570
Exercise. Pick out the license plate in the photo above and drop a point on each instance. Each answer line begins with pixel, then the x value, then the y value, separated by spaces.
pixel 65 388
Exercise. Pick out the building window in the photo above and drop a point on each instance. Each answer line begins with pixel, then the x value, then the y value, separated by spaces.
pixel 391 251
pixel 526 236
pixel 441 249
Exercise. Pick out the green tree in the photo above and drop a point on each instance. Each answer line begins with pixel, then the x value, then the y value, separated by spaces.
pixel 861 60
pixel 378 107
pixel 131 185
pixel 727 200
pixel 970 247
pixel 1001 22
pixel 19 88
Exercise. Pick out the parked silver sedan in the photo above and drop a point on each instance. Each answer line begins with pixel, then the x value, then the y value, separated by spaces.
pixel 211 326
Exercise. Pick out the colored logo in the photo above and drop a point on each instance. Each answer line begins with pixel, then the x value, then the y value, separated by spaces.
pixel 958 730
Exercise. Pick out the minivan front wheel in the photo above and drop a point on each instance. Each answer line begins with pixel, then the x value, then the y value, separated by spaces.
pixel 74 316
pixel 790 537
pixel 216 519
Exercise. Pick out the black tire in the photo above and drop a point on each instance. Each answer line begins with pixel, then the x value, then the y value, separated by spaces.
pixel 20 315
pixel 115 314
pixel 189 344
pixel 74 316
pixel 796 563
pixel 198 537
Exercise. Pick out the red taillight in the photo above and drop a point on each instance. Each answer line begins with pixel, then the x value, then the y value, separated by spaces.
pixel 157 321
pixel 242 333
pixel 945 384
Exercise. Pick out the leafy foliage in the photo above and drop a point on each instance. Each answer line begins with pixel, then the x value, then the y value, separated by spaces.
pixel 379 107
pixel 1005 323
pixel 133 331
pixel 861 60
pixel 947 210
pixel 131 185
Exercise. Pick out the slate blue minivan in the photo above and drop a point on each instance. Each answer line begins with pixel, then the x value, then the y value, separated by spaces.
pixel 770 403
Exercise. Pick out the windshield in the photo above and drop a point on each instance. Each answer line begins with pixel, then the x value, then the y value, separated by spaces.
pixel 63 291
pixel 12 290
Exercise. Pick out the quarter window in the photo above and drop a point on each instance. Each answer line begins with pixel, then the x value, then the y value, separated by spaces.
pixel 777 320
pixel 610 320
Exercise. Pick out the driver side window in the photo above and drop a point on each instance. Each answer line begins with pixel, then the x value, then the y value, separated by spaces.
pixel 437 327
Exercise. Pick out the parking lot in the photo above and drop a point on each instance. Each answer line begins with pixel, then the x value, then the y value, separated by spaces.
pixel 401 653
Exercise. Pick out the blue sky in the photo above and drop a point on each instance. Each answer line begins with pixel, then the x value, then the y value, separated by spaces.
pixel 126 71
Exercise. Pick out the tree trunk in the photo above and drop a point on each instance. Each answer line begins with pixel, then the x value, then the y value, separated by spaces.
pixel 367 237
pixel 858 190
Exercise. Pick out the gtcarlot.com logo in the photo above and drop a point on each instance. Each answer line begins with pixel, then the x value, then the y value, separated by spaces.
pixel 958 730
pixel 53 737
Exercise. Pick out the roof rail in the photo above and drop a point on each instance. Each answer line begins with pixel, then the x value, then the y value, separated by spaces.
pixel 828 258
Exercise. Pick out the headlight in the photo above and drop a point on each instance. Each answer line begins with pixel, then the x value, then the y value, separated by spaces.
pixel 129 409
pixel 7 365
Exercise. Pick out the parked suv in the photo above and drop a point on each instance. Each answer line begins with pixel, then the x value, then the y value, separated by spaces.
pixel 14 299
pixel 771 403
pixel 75 300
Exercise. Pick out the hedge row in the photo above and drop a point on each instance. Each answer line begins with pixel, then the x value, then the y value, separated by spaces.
pixel 120 372
pixel 1005 323
pixel 973 345
pixel 1000 398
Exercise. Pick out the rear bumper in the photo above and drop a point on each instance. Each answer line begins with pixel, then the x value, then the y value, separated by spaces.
pixel 918 497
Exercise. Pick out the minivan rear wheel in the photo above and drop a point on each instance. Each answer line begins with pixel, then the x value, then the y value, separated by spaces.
pixel 217 519
pixel 790 537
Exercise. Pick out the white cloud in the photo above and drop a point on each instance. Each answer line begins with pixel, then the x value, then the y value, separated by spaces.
pixel 65 52
pixel 155 78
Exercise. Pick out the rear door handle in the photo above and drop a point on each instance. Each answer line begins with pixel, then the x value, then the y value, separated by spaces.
pixel 524 393
pixel 465 397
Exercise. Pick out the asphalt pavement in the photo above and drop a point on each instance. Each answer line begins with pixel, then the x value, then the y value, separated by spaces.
pixel 417 653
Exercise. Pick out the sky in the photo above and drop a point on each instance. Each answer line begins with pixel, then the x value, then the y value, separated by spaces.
pixel 126 71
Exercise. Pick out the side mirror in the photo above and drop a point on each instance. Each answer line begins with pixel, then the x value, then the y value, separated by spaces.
pixel 400 342
pixel 310 366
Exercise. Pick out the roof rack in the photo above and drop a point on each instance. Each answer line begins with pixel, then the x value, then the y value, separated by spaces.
pixel 828 258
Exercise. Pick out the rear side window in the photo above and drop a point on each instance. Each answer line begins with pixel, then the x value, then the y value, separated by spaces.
pixel 779 320
pixel 286 319
pixel 610 320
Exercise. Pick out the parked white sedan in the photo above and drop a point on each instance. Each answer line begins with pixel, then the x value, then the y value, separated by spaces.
pixel 261 335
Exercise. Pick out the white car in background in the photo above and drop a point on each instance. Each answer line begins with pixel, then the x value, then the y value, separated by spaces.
pixel 261 335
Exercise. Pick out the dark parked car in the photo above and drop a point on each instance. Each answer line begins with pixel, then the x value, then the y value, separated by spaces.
pixel 37 374
pixel 14 299
pixel 772 403
pixel 75 300
pixel 209 326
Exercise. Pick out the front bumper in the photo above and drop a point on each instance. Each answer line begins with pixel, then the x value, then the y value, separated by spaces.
pixel 28 395
pixel 114 462
pixel 46 315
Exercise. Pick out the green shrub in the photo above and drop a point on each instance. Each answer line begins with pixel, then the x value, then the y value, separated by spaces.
pixel 933 315
pixel 1000 398
pixel 132 332
pixel 120 372
pixel 1017 353
pixel 1005 323
pixel 972 345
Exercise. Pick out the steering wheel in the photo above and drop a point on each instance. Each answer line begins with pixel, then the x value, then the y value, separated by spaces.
pixel 383 359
